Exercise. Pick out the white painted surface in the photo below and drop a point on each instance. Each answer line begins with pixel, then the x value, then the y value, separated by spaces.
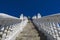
pixel 38 15
pixel 34 17
pixel 51 27
pixel 17 30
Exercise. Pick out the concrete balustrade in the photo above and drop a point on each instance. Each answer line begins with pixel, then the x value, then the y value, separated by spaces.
pixel 11 26
pixel 49 25
pixel 12 31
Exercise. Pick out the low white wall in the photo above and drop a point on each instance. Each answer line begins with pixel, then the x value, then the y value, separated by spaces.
pixel 19 28
pixel 51 30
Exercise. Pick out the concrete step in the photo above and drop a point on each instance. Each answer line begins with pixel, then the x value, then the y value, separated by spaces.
pixel 28 38
pixel 28 35
pixel 29 32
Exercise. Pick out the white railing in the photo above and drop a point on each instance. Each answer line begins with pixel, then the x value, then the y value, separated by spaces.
pixel 12 31
pixel 50 28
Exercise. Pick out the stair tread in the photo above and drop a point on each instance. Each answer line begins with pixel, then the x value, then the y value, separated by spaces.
pixel 29 38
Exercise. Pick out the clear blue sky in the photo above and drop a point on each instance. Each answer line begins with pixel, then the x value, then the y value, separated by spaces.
pixel 29 7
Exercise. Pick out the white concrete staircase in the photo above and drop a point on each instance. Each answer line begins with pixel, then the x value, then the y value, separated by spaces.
pixel 29 33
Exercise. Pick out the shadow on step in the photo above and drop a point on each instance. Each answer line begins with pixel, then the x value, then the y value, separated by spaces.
pixel 41 35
